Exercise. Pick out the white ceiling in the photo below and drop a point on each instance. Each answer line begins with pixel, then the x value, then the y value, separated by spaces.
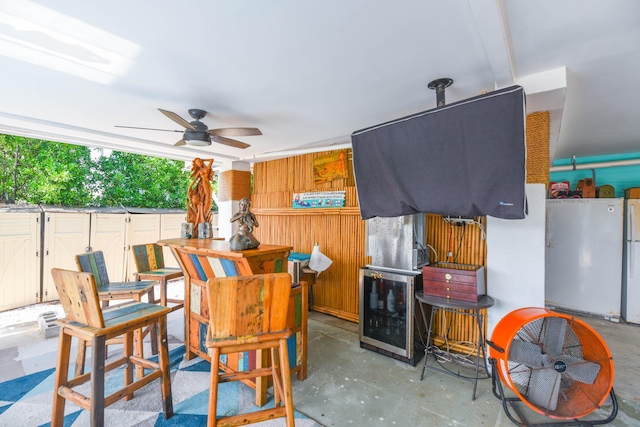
pixel 309 73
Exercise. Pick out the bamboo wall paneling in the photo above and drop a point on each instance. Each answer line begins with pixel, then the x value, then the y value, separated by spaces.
pixel 467 244
pixel 338 231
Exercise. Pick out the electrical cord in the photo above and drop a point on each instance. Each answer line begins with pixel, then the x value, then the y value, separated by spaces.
pixel 445 355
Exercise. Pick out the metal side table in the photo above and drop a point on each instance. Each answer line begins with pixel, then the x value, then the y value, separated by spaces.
pixel 462 307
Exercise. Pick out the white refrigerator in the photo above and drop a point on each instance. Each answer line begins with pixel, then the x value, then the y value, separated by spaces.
pixel 583 259
pixel 631 264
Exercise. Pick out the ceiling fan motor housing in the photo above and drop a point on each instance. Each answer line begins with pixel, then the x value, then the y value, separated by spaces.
pixel 555 363
pixel 198 138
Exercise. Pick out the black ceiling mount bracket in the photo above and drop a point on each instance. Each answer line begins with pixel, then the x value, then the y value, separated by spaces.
pixel 197 114
pixel 439 85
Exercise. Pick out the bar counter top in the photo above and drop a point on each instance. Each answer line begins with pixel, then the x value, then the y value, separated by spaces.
pixel 221 247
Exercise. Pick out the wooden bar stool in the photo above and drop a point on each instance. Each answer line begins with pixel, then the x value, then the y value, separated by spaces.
pixel 86 321
pixel 250 313
pixel 150 265
pixel 94 263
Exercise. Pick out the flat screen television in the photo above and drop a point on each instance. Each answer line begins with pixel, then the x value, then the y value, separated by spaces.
pixel 467 158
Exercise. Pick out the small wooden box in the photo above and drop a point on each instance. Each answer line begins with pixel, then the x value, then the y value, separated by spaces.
pixel 632 193
pixel 587 187
pixel 462 282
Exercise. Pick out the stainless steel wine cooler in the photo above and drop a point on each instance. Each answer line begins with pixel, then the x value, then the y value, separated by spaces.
pixel 387 307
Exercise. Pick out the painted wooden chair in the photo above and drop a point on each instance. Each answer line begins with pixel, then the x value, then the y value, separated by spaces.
pixel 250 313
pixel 94 263
pixel 86 321
pixel 149 261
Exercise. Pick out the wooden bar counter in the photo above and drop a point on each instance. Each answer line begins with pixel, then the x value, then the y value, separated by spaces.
pixel 201 259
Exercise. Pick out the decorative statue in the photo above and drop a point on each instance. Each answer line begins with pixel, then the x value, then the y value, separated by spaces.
pixel 244 238
pixel 199 194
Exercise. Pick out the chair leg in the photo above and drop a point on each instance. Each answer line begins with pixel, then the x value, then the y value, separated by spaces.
pixel 163 292
pixel 153 329
pixel 163 360
pixel 97 380
pixel 278 391
pixel 213 388
pixel 286 381
pixel 128 368
pixel 81 353
pixel 138 350
pixel 62 372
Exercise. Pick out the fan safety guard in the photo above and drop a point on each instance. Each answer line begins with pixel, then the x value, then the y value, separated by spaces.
pixel 554 363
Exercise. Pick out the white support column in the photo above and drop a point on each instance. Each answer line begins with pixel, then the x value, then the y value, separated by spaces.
pixel 516 259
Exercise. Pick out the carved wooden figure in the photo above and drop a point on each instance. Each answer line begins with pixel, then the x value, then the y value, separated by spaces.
pixel 199 193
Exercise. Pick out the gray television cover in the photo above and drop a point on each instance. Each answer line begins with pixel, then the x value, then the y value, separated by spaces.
pixel 465 159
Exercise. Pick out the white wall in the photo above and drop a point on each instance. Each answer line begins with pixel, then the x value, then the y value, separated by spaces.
pixel 515 259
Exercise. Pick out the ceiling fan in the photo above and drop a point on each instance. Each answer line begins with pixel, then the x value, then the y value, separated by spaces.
pixel 198 134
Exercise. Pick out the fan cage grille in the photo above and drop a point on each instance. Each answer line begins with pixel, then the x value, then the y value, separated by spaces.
pixel 566 398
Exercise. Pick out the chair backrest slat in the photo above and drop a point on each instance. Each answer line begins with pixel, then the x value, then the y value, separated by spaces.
pixel 244 307
pixel 93 262
pixel 148 257
pixel 79 297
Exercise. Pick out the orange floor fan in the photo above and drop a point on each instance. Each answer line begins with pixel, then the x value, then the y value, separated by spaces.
pixel 556 365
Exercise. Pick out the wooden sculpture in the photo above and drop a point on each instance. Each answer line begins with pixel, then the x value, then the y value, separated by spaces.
pixel 199 193
pixel 244 238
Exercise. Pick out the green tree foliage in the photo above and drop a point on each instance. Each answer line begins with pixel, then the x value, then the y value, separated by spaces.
pixel 36 171
pixel 141 181
pixel 42 172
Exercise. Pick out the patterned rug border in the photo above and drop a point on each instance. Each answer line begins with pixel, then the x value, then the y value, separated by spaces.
pixel 27 400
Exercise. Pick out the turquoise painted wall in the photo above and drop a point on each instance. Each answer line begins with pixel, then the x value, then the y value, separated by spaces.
pixel 620 177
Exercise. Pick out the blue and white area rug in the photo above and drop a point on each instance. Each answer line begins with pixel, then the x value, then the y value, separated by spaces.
pixel 27 401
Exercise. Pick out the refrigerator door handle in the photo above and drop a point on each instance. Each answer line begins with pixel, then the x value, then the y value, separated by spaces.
pixel 631 259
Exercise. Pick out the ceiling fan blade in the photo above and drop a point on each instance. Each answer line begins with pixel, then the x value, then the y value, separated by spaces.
pixel 179 143
pixel 554 332
pixel 235 132
pixel 229 142
pixel 176 118
pixel 134 127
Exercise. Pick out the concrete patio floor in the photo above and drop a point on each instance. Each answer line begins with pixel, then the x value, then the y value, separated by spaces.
pixel 351 386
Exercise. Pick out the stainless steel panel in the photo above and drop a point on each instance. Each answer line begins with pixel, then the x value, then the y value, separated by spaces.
pixel 398 242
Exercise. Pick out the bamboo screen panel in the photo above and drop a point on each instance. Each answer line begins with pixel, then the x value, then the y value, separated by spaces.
pixel 462 245
pixel 339 231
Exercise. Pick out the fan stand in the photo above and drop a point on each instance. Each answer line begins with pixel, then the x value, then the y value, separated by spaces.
pixel 512 402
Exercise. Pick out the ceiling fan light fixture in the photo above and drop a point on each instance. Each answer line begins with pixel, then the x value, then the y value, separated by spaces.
pixel 197 138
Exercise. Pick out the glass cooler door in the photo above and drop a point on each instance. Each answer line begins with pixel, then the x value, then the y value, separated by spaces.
pixel 386 312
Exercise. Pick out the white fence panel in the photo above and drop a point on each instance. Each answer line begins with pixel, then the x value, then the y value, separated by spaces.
pixel 170 227
pixel 143 228
pixel 20 268
pixel 66 234
pixel 108 234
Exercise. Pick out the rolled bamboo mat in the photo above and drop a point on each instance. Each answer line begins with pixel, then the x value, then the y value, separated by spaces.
pixel 538 147
pixel 234 185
